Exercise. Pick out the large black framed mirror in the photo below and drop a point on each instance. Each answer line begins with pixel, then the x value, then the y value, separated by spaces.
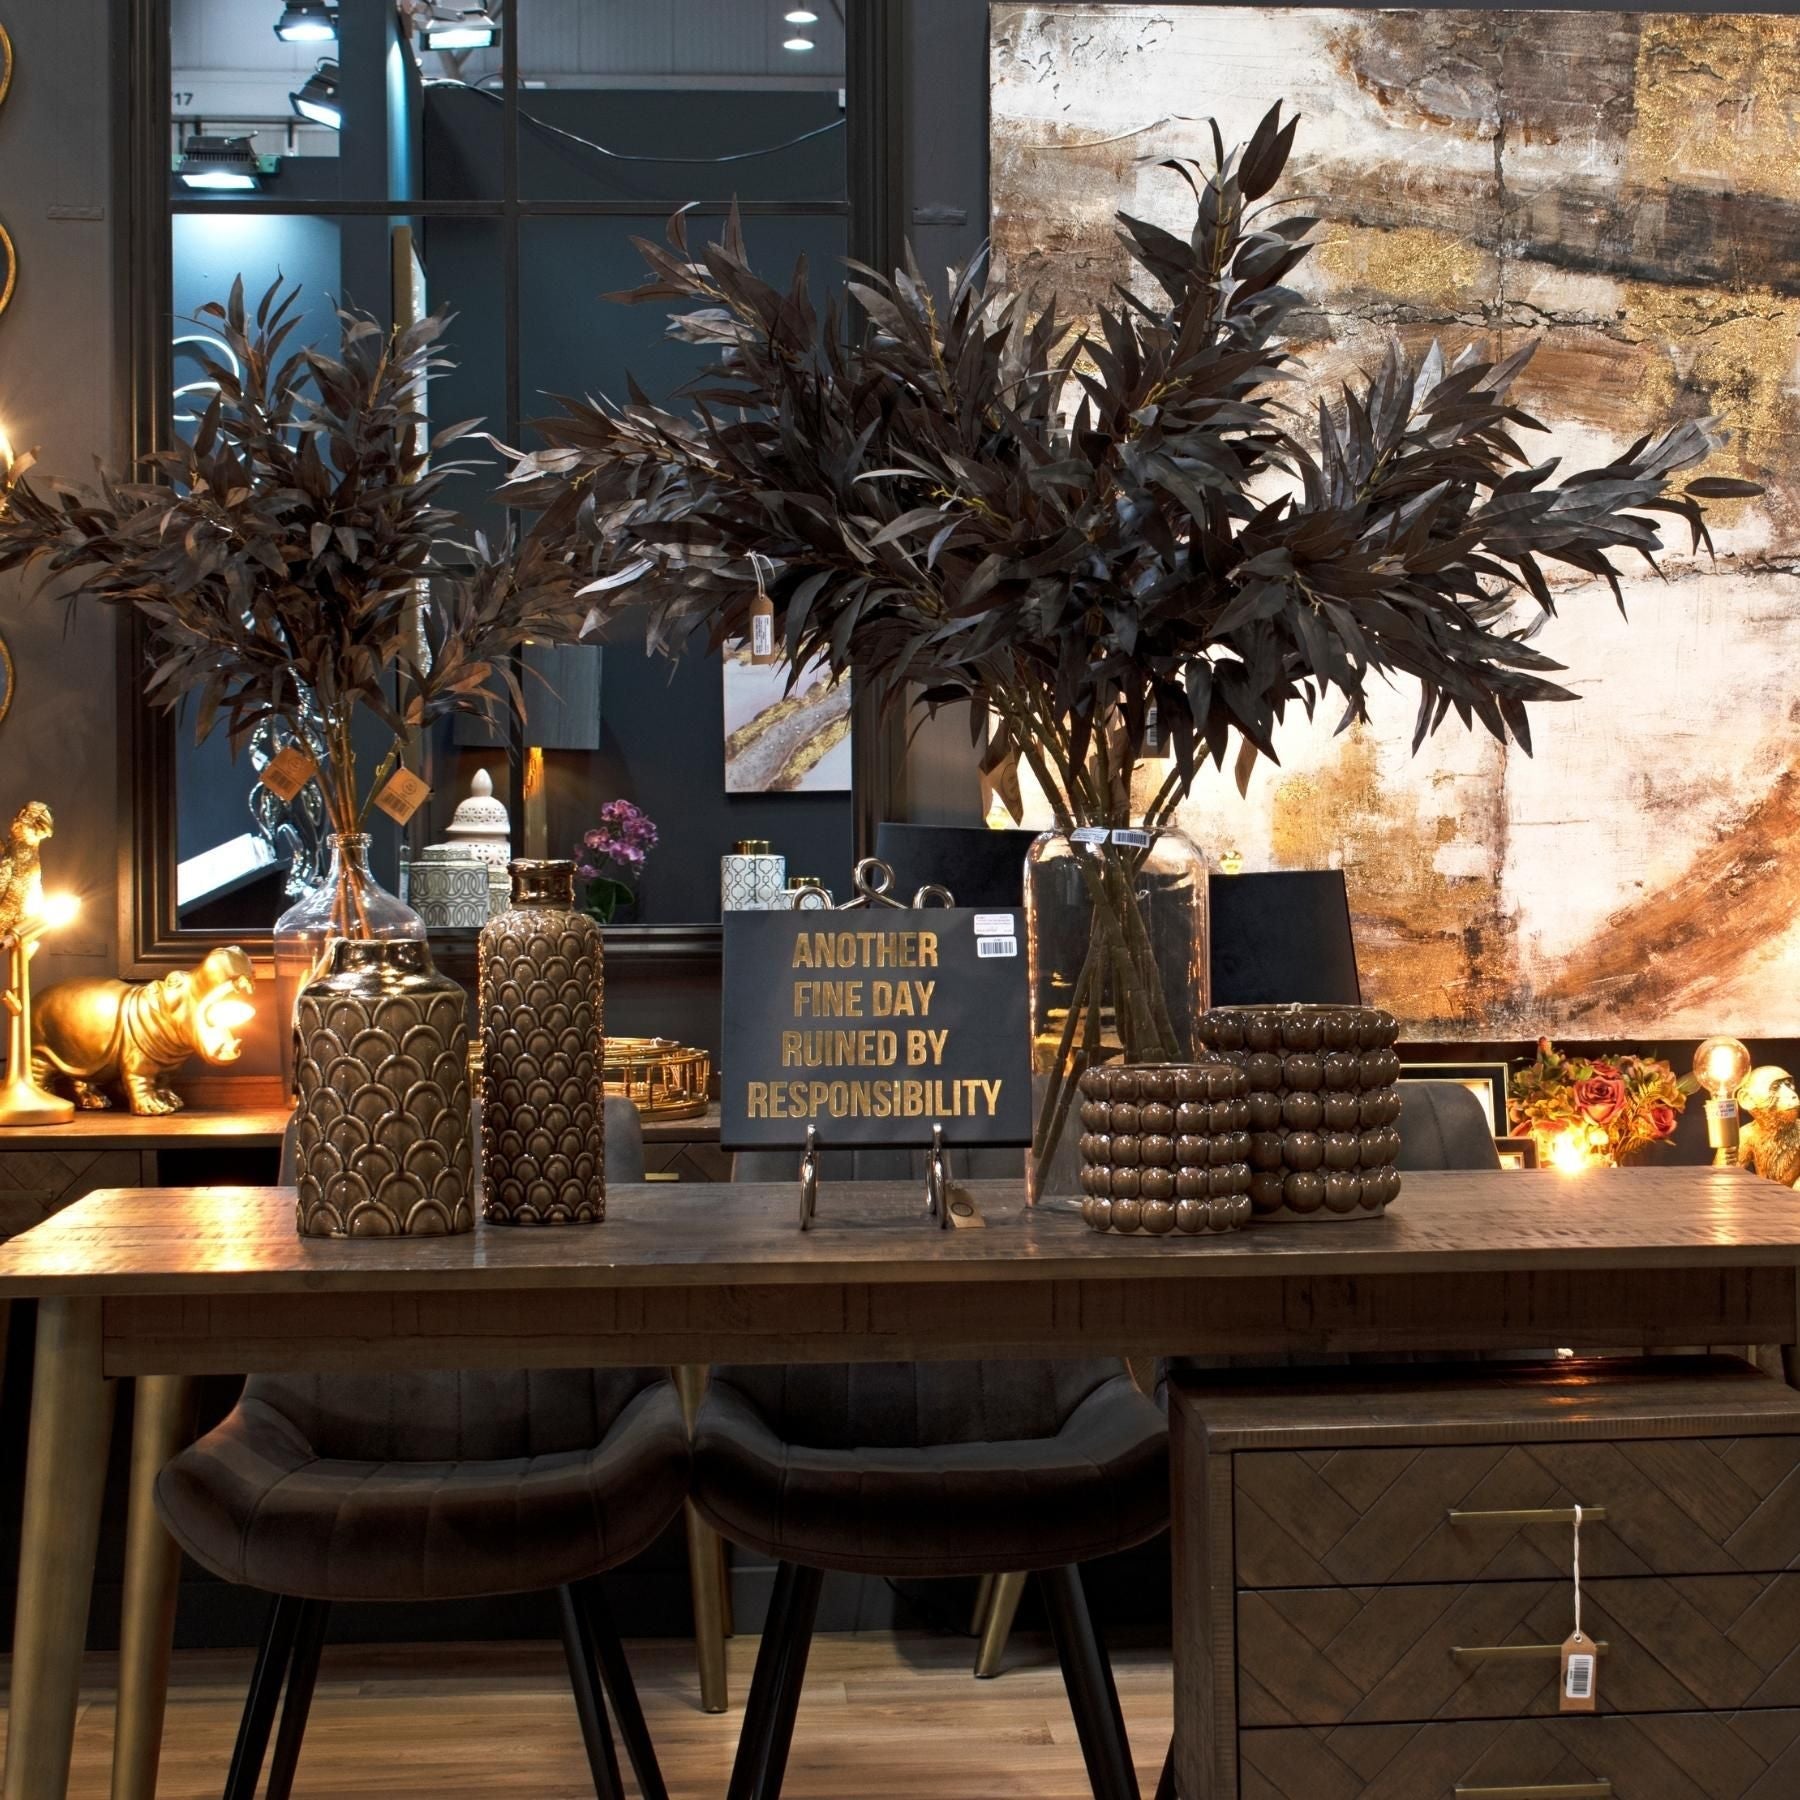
pixel 500 171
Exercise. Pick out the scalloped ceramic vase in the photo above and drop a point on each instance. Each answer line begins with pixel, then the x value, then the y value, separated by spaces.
pixel 382 1122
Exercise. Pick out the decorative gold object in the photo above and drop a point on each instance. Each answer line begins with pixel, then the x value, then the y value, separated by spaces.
pixel 542 996
pixel 1165 1148
pixel 1721 1065
pixel 99 1038
pixel 6 661
pixel 26 913
pixel 1770 1143
pixel 1323 1102
pixel 381 1124
pixel 661 1078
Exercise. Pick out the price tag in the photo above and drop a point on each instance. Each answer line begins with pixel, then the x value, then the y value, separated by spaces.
pixel 1580 1657
pixel 288 771
pixel 762 630
pixel 402 796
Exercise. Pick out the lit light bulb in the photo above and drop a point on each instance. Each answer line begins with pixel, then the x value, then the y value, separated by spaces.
pixel 1720 1064
pixel 230 1014
pixel 58 910
pixel 1569 1152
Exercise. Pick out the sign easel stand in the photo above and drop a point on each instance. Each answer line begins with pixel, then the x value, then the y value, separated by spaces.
pixel 949 1205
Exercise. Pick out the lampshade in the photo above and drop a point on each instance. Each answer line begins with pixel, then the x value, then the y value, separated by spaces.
pixel 1283 938
pixel 978 866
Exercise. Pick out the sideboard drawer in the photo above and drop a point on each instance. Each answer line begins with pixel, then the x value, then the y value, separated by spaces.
pixel 1674 1756
pixel 1331 1656
pixel 1674 1506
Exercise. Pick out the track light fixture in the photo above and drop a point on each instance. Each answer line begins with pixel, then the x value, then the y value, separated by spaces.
pixel 226 165
pixel 306 22
pixel 473 30
pixel 317 97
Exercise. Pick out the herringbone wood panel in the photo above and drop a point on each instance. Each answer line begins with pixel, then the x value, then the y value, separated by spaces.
pixel 1321 1656
pixel 1675 1506
pixel 1671 1756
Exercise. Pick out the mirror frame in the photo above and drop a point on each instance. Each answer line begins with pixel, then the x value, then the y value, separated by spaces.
pixel 152 939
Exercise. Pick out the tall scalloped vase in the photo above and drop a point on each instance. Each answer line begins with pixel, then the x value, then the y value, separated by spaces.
pixel 543 1055
pixel 382 1111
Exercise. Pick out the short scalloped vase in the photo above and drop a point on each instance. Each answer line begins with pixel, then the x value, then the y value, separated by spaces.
pixel 382 1115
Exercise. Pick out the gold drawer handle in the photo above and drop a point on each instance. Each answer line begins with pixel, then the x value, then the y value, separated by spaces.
pixel 1540 1790
pixel 1518 1653
pixel 1529 1515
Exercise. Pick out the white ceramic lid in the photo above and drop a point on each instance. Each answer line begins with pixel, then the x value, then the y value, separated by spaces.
pixel 481 815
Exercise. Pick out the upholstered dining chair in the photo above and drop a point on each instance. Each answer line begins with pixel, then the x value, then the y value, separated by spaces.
pixel 331 1489
pixel 925 1470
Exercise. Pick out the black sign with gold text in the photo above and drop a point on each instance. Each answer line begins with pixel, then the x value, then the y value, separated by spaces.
pixel 874 1025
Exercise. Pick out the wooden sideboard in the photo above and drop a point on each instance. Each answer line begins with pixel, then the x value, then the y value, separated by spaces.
pixel 1367 1608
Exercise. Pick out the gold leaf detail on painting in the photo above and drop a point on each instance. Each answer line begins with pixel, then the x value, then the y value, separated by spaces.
pixel 1413 263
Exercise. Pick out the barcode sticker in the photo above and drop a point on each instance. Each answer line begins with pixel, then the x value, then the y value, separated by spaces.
pixel 1579 1683
pixel 996 946
pixel 1089 834
pixel 995 925
pixel 288 771
pixel 1132 840
pixel 402 796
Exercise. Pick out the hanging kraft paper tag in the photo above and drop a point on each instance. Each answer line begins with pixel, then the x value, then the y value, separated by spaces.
pixel 402 795
pixel 762 630
pixel 288 771
pixel 1580 1674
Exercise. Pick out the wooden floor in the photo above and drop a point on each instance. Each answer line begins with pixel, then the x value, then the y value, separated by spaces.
pixel 882 1718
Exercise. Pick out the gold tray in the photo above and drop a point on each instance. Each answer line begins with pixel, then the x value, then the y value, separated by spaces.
pixel 661 1078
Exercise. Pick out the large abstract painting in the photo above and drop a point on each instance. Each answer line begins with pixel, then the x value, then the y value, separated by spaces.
pixel 1626 188
pixel 782 737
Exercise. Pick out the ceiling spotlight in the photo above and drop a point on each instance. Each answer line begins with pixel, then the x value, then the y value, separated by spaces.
pixel 797 43
pixel 220 165
pixel 306 22
pixel 460 31
pixel 317 98
pixel 801 15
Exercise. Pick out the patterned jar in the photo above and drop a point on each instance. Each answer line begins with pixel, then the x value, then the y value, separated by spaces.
pixel 752 878
pixel 1165 1148
pixel 1324 1099
pixel 381 1119
pixel 543 1055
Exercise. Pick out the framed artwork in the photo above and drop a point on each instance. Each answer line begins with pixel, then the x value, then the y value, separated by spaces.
pixel 1486 1081
pixel 782 739
pixel 1620 186
pixel 1517 1152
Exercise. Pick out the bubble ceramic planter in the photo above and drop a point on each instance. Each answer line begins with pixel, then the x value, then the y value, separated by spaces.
pixel 381 1122
pixel 543 1056
pixel 1324 1101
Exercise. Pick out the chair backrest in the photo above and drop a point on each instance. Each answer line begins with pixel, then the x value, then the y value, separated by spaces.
pixel 857 1406
pixel 1443 1126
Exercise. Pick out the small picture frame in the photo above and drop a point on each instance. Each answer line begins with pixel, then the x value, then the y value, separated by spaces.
pixel 1486 1081
pixel 1517 1152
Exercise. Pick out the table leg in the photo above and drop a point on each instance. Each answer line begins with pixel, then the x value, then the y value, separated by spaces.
pixel 162 1425
pixel 706 1568
pixel 65 1476
pixel 1790 1364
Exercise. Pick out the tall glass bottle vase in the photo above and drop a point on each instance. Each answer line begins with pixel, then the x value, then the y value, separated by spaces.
pixel 347 903
pixel 1116 924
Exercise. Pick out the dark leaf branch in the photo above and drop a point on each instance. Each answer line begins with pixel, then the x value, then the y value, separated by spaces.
pixel 1082 532
pixel 298 545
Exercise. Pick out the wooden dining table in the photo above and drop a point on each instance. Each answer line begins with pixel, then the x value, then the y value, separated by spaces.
pixel 164 1285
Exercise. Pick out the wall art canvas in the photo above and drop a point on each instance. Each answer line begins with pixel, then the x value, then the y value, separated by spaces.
pixel 1626 188
pixel 782 739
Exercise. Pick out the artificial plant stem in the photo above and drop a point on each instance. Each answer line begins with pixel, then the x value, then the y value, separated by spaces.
pixel 1062 1071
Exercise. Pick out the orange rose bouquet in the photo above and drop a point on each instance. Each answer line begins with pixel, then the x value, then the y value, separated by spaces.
pixel 1606 1109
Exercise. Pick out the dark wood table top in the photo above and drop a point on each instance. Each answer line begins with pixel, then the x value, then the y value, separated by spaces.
pixel 147 1241
pixel 242 1127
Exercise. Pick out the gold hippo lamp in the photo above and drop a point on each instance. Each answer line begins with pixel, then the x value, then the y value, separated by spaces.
pixel 98 1038
pixel 26 913
pixel 1770 1143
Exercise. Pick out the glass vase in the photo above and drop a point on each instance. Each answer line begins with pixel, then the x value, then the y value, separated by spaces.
pixel 1116 925
pixel 348 902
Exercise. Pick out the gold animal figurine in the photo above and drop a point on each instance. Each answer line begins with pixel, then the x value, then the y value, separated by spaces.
pixel 1770 1143
pixel 21 875
pixel 95 1038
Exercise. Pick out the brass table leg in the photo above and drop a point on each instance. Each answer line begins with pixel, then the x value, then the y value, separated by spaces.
pixel 1003 1607
pixel 65 1476
pixel 162 1425
pixel 706 1568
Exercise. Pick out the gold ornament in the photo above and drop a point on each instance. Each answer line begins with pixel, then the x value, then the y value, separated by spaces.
pixel 94 1039
pixel 1770 1143
pixel 26 913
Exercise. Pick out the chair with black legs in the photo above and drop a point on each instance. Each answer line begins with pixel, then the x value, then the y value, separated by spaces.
pixel 934 1469
pixel 331 1489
